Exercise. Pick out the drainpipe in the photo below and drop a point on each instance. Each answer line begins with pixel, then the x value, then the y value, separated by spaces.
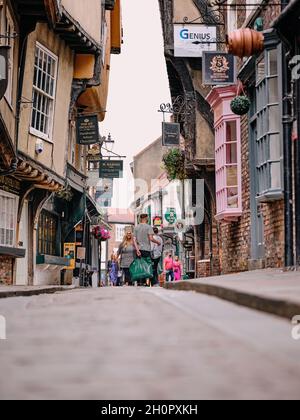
pixel 297 172
pixel 287 120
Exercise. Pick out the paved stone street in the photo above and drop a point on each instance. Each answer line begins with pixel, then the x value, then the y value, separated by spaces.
pixel 144 344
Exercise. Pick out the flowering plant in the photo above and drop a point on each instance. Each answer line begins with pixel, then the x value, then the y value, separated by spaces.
pixel 101 233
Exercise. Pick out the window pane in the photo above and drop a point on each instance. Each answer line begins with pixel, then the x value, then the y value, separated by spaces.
pixel 273 66
pixel 274 118
pixel 276 175
pixel 232 179
pixel 231 153
pixel 231 131
pixel 273 90
pixel 232 198
pixel 275 152
pixel 260 70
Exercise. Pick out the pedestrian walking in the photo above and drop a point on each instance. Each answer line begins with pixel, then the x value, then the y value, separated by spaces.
pixel 156 254
pixel 127 253
pixel 113 271
pixel 177 267
pixel 169 268
pixel 144 235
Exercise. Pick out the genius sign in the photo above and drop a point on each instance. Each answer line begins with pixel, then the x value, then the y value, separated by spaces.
pixel 192 40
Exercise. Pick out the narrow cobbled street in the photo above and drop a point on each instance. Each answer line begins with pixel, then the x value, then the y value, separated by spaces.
pixel 139 343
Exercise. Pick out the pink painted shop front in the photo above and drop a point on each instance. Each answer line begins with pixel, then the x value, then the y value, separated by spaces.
pixel 227 154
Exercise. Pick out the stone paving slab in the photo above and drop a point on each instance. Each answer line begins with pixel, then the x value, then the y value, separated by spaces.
pixel 15 291
pixel 273 291
pixel 149 344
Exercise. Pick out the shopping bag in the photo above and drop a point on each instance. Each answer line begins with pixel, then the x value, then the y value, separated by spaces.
pixel 160 268
pixel 141 269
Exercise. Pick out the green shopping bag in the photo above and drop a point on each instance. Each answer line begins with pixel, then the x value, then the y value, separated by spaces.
pixel 141 269
pixel 160 268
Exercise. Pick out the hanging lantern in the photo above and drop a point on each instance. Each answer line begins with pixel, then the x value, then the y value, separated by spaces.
pixel 3 69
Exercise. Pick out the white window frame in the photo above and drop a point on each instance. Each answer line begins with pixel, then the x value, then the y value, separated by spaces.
pixel 4 224
pixel 45 136
pixel 9 30
pixel 120 232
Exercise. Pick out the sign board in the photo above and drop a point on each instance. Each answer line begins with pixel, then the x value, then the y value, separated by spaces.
pixel 171 134
pixel 180 226
pixel 111 169
pixel 218 68
pixel 87 130
pixel 157 221
pixel 93 158
pixel 81 251
pixel 192 39
pixel 171 216
pixel 69 253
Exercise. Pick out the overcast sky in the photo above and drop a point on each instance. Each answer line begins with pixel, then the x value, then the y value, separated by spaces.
pixel 138 83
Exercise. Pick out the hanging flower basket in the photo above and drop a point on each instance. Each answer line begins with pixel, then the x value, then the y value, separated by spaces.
pixel 101 233
pixel 240 105
pixel 174 164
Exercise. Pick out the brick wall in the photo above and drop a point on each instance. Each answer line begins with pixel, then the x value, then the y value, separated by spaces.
pixel 6 270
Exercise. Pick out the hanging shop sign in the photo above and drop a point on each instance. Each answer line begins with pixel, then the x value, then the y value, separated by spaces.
pixel 111 169
pixel 69 253
pixel 191 40
pixel 218 68
pixel 87 130
pixel 157 221
pixel 171 216
pixel 3 69
pixel 93 158
pixel 180 226
pixel 171 134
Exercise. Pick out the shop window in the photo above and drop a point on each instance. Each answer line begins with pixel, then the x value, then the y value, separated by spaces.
pixel 227 154
pixel 268 141
pixel 8 219
pixel 47 232
pixel 44 90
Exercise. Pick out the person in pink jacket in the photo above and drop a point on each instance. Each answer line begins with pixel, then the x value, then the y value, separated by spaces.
pixel 177 268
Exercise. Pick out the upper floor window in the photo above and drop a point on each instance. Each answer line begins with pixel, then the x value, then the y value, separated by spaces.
pixel 8 219
pixel 44 90
pixel 9 30
pixel 267 122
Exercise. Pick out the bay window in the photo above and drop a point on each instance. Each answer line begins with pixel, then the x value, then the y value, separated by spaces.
pixel 227 154
pixel 268 147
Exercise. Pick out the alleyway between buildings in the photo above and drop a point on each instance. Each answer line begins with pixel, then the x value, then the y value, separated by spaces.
pixel 138 343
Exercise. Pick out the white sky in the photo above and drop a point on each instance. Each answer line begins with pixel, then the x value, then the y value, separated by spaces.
pixel 138 85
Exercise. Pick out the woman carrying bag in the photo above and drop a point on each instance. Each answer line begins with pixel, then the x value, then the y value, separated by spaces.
pixel 127 254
